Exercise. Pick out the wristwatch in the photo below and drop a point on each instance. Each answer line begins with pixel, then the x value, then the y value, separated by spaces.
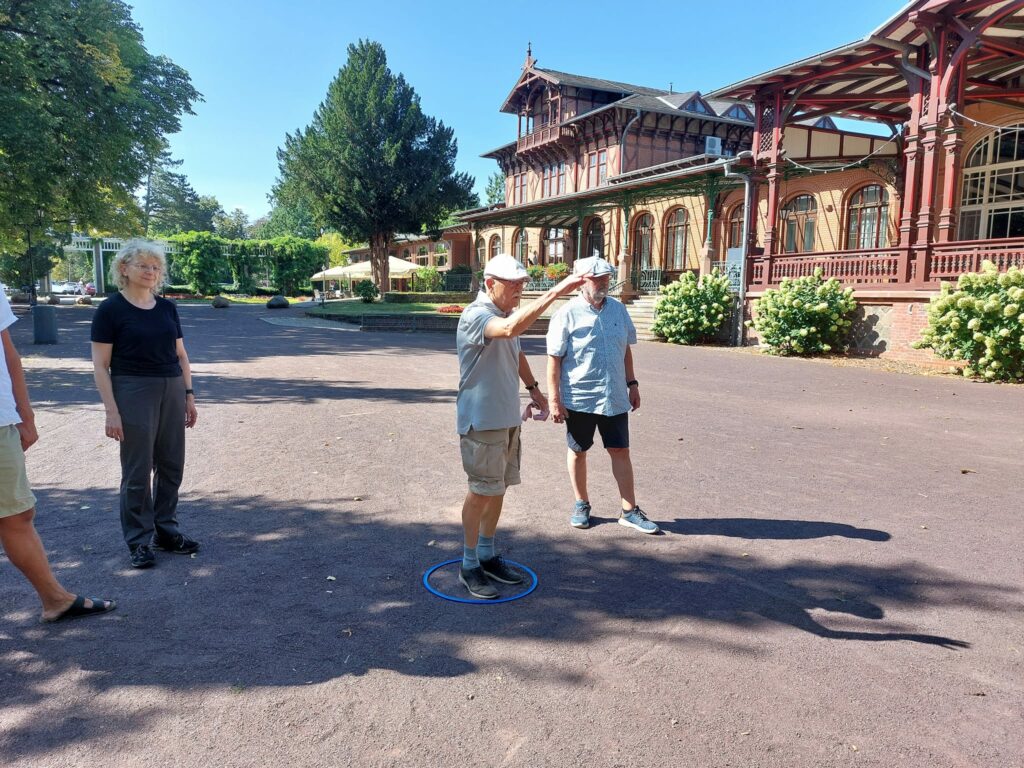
pixel 190 392
pixel 633 383
pixel 531 387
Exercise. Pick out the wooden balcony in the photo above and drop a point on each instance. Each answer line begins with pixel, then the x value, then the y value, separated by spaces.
pixel 544 138
pixel 890 268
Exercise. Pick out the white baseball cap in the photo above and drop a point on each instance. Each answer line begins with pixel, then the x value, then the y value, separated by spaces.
pixel 505 267
pixel 594 266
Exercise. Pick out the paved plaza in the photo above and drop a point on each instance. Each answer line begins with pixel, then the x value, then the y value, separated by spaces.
pixel 839 582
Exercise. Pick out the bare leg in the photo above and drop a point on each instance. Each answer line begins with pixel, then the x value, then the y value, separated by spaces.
pixel 577 463
pixel 479 515
pixel 622 469
pixel 23 547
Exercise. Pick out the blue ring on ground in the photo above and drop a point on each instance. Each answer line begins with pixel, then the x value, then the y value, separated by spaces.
pixel 452 598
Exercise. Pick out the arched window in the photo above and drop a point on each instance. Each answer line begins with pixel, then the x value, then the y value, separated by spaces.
pixel 595 238
pixel 675 240
pixel 799 218
pixel 642 239
pixel 992 196
pixel 554 245
pixel 735 238
pixel 867 218
pixel 494 248
pixel 481 251
pixel 405 254
pixel 521 244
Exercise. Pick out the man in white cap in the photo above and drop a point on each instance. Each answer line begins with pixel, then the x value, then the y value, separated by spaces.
pixel 488 410
pixel 593 387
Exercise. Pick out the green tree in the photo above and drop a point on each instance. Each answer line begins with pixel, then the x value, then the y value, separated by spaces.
pixel 371 163
pixel 85 109
pixel 293 261
pixel 287 217
pixel 170 204
pixel 200 261
pixel 336 246
pixel 495 188
pixel 232 226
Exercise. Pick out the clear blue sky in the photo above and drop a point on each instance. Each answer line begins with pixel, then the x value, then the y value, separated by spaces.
pixel 263 66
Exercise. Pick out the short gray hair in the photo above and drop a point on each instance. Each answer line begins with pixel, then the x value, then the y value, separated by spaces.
pixel 137 249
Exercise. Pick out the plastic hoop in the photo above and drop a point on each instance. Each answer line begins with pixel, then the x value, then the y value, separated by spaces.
pixel 474 601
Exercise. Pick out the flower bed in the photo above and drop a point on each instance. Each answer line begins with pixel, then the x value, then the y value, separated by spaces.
pixel 450 309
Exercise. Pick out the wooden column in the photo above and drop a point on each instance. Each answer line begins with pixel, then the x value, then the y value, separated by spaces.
pixel 625 257
pixel 774 176
pixel 952 146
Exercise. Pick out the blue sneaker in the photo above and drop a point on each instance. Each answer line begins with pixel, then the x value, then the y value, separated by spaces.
pixel 580 515
pixel 636 518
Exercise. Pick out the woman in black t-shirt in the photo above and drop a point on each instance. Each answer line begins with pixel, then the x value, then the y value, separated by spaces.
pixel 144 379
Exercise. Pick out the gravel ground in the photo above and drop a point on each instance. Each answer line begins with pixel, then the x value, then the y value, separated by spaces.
pixel 838 583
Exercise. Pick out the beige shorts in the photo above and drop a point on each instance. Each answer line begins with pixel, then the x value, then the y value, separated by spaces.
pixel 15 495
pixel 491 460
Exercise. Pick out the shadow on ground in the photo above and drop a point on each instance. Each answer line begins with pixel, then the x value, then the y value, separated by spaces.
pixel 257 607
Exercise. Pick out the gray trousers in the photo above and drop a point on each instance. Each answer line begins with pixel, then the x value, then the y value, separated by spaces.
pixel 152 454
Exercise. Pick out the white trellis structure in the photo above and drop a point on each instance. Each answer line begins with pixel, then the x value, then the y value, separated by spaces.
pixel 100 245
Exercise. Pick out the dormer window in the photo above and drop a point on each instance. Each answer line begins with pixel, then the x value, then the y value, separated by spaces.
pixel 696 105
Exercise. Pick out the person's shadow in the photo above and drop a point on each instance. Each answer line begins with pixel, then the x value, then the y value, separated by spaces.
pixel 755 528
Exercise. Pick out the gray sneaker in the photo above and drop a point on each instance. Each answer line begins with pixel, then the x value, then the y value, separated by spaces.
pixel 580 515
pixel 636 518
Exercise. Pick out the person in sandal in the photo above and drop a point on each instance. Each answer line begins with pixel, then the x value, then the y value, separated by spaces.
pixel 18 536
pixel 488 413
pixel 144 379
pixel 593 387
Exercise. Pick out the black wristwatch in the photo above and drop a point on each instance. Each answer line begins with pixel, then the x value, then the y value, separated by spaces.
pixel 531 387
pixel 190 392
pixel 633 383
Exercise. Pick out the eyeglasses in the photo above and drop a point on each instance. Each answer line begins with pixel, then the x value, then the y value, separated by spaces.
pixel 146 267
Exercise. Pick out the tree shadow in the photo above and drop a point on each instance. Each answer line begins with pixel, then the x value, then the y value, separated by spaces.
pixel 288 594
pixel 755 528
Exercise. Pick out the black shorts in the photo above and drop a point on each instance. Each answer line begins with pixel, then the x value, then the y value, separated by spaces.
pixel 580 428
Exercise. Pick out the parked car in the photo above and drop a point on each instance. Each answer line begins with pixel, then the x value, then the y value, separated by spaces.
pixel 65 287
pixel 90 289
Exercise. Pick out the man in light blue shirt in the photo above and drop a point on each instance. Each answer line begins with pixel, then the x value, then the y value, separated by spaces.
pixel 593 387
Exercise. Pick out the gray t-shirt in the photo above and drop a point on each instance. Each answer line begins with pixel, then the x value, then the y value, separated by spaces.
pixel 488 372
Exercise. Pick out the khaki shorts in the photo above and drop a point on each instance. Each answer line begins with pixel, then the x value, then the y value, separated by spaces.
pixel 15 495
pixel 491 460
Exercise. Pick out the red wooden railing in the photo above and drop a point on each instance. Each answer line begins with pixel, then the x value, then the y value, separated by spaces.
pixel 543 136
pixel 885 266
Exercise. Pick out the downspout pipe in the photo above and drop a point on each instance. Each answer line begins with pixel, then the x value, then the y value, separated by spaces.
pixel 748 199
pixel 905 50
pixel 622 140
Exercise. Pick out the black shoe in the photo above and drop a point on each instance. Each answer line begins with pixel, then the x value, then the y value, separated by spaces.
pixel 142 556
pixel 475 580
pixel 179 544
pixel 497 570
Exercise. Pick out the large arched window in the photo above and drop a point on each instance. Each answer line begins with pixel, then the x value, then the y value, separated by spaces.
pixel 554 245
pixel 494 248
pixel 675 240
pixel 867 218
pixel 521 246
pixel 799 219
pixel 735 238
pixel 481 251
pixel 595 238
pixel 992 196
pixel 642 238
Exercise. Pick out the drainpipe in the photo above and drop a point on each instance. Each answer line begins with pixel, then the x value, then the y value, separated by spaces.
pixel 906 51
pixel 622 141
pixel 748 198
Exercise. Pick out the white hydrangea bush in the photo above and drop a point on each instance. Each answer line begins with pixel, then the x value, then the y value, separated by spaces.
pixel 806 316
pixel 691 310
pixel 980 322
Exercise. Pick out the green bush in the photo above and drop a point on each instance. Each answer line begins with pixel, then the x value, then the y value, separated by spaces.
pixel 460 269
pixel 556 270
pixel 981 323
pixel 535 271
pixel 806 316
pixel 394 297
pixel 426 280
pixel 691 310
pixel 293 260
pixel 244 263
pixel 200 260
pixel 365 290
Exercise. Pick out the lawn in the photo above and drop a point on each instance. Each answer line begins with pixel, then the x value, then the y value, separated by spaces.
pixel 356 307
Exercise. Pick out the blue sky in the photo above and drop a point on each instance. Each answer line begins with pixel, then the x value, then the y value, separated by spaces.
pixel 263 66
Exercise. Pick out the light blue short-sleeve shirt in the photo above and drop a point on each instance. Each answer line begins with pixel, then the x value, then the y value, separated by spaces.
pixel 488 372
pixel 592 344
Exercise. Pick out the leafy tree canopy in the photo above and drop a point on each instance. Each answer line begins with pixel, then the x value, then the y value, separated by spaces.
pixel 232 226
pixel 495 188
pixel 291 216
pixel 371 163
pixel 85 108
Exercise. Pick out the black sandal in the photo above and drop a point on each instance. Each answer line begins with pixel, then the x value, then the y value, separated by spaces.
pixel 77 609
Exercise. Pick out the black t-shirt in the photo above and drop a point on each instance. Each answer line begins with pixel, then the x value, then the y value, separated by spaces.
pixel 145 340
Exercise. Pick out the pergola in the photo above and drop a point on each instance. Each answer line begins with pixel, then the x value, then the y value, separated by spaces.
pixel 921 69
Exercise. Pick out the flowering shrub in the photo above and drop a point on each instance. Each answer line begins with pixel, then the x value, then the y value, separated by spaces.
pixel 535 271
pixel 981 322
pixel 806 316
pixel 450 309
pixel 556 270
pixel 689 310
